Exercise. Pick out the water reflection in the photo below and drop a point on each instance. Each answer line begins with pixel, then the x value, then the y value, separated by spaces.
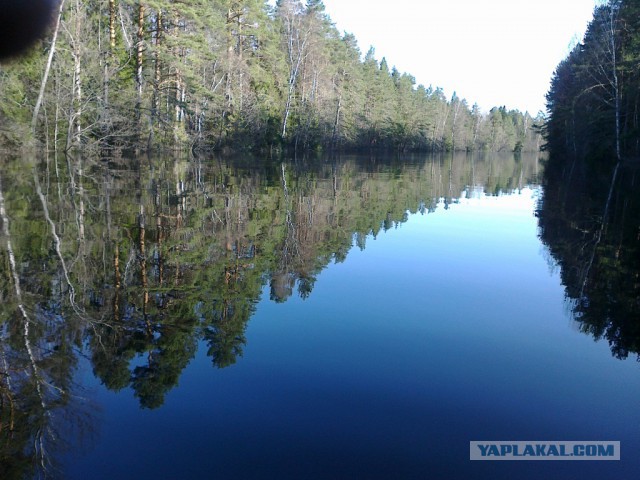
pixel 40 339
pixel 591 226
pixel 133 262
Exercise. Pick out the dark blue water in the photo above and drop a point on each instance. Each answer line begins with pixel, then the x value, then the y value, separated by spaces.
pixel 449 328
pixel 188 318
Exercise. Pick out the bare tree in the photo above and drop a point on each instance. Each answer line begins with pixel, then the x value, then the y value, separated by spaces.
pixel 296 38
pixel 47 69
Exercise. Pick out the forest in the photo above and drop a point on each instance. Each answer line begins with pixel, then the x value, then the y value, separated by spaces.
pixel 230 75
pixel 589 218
pixel 594 100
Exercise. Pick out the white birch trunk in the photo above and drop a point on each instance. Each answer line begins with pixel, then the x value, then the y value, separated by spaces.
pixel 47 69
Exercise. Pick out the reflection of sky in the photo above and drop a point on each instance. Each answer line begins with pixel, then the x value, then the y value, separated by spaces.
pixel 448 329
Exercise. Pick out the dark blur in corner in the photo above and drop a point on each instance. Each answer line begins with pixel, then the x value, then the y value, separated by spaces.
pixel 23 22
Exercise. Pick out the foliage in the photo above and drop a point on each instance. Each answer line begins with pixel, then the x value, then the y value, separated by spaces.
pixel 589 216
pixel 239 74
pixel 593 100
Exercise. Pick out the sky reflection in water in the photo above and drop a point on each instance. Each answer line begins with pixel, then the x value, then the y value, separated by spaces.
pixel 449 328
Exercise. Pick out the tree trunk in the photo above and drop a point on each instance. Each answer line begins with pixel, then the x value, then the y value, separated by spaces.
pixel 157 71
pixel 614 73
pixel 140 54
pixel 336 123
pixel 77 70
pixel 47 68
pixel 112 24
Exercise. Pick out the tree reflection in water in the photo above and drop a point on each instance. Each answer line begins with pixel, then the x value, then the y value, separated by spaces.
pixel 131 263
pixel 597 248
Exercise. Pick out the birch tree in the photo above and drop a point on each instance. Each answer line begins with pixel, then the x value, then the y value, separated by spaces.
pixel 295 38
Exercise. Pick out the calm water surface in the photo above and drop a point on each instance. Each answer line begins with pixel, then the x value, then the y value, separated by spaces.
pixel 357 319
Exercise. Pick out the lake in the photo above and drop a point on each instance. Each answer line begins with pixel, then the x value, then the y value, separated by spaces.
pixel 326 318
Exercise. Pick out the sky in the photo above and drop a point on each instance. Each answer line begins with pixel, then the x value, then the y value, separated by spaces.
pixel 491 52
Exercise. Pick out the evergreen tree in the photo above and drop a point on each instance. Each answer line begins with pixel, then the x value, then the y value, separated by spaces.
pixel 136 74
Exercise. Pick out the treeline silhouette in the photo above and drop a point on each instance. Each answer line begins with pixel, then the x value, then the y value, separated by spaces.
pixel 594 99
pixel 589 217
pixel 230 75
